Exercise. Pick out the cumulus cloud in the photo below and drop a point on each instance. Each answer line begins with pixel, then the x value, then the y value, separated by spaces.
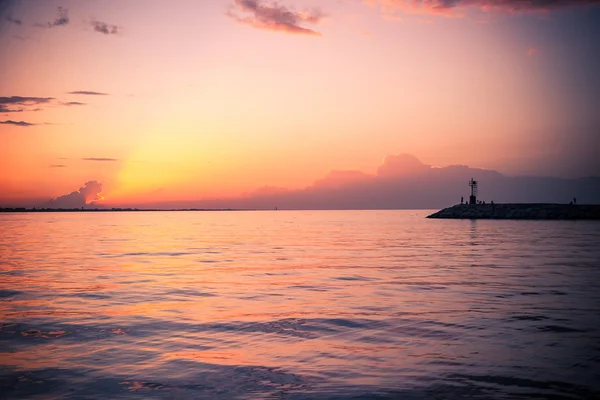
pixel 86 195
pixel 17 123
pixel 100 159
pixel 88 93
pixel 272 16
pixel 394 188
pixel 103 27
pixel 402 181
pixel 456 7
pixel 61 19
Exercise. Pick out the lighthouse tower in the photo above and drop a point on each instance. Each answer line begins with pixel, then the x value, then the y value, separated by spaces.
pixel 473 197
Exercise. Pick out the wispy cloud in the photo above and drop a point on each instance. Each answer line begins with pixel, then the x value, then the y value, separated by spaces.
pixel 88 93
pixel 21 38
pixel 100 159
pixel 61 19
pixel 57 166
pixel 532 51
pixel 103 27
pixel 4 109
pixel 15 21
pixel 26 101
pixel 457 7
pixel 272 16
pixel 17 123
pixel 73 103
pixel 7 102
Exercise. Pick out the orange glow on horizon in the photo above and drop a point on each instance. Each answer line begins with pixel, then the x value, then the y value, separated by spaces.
pixel 157 112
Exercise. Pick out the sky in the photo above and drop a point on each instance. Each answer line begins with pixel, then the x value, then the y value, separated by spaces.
pixel 131 103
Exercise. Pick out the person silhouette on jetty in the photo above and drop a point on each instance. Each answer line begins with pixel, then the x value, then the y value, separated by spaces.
pixel 461 199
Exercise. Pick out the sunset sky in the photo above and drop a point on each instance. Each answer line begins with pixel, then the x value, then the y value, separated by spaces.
pixel 182 100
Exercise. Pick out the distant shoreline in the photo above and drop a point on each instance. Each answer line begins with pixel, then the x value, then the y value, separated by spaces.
pixel 84 210
pixel 460 211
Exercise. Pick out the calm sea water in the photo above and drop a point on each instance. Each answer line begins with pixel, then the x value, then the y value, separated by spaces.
pixel 294 305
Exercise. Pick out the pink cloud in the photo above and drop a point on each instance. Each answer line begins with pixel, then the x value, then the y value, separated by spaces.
pixel 274 17
pixel 457 8
pixel 532 51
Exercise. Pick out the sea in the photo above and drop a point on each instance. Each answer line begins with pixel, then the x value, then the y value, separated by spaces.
pixel 297 305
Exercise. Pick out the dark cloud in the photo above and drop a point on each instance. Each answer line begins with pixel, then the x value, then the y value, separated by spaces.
pixel 17 123
pixel 88 93
pixel 29 102
pixel 103 27
pixel 451 7
pixel 274 17
pixel 6 102
pixel 86 195
pixel 61 19
pixel 57 166
pixel 15 21
pixel 100 159
pixel 24 101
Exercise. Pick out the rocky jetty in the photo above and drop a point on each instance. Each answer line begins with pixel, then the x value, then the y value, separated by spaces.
pixel 519 211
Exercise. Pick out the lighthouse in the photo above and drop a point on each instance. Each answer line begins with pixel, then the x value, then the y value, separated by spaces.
pixel 473 197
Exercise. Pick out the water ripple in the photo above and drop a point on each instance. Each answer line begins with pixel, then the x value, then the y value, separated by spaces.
pixel 297 305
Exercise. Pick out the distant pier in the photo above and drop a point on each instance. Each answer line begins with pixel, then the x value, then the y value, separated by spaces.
pixel 520 211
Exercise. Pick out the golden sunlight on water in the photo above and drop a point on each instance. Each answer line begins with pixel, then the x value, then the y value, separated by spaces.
pixel 299 304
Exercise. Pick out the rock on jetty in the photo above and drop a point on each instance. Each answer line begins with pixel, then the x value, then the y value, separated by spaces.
pixel 519 211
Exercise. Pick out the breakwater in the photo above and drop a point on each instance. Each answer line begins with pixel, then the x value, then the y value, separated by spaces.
pixel 519 211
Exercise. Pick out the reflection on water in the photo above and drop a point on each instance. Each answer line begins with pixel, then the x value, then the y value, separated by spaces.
pixel 321 304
